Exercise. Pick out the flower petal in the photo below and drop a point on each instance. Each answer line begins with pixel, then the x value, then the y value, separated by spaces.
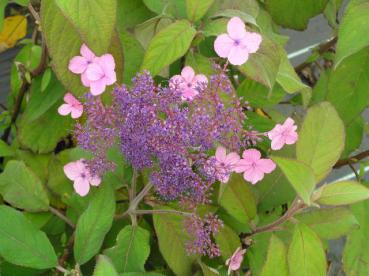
pixel 232 159
pixel 189 93
pixel 278 142
pixel 73 169
pixel 251 155
pixel 81 186
pixel 78 65
pixel 107 62
pixel 223 45
pixel 252 41
pixel 188 74
pixel 253 175
pixel 200 78
pixel 87 53
pixel 85 81
pixel 64 109
pixel 94 72
pixel 221 154
pixel 242 166
pixel 291 138
pixel 97 87
pixel 238 55
pixel 236 28
pixel 76 112
pixel 94 180
pixel 266 165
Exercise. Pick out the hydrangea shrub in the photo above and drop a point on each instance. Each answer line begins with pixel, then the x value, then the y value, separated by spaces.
pixel 176 138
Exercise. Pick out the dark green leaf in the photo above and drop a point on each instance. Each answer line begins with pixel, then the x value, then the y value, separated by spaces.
pixel 131 250
pixel 23 244
pixel 20 187
pixel 94 223
pixel 130 13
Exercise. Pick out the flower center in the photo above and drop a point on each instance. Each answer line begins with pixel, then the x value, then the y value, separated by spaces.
pixel 237 42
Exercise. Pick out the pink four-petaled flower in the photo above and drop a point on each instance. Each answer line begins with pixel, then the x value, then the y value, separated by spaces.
pixel 237 43
pixel 253 166
pixel 72 106
pixel 283 134
pixel 225 163
pixel 234 262
pixel 188 82
pixel 80 175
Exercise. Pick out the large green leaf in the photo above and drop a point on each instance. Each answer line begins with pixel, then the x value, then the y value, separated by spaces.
pixel 353 30
pixel 306 256
pixel 356 254
pixel 341 193
pixel 104 267
pixel 43 134
pixel 64 41
pixel 197 9
pixel 263 65
pixel 349 84
pixel 294 14
pixel 21 243
pixel 171 237
pixel 276 262
pixel 329 223
pixel 94 223
pixel 354 136
pixel 130 13
pixel 299 175
pixel 131 250
pixel 174 41
pixel 20 187
pixel 228 241
pixel 91 17
pixel 238 200
pixel 321 139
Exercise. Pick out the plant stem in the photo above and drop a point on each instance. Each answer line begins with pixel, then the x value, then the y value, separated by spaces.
pixel 62 269
pixel 352 160
pixel 61 216
pixel 176 212
pixel 140 196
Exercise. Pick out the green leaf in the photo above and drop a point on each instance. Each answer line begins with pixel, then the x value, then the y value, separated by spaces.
pixel 215 27
pixel 94 223
pixel 348 84
pixel 276 262
pixel 134 53
pixel 287 76
pixel 238 200
pixel 43 99
pixel 258 95
pixel 171 238
pixel 330 223
pixel 236 13
pixel 341 193
pixel 141 274
pixel 207 270
pixel 197 9
pixel 175 8
pixel 352 34
pixel 31 134
pixel 91 17
pixel 321 139
pixel 23 244
pixel 104 267
pixel 284 11
pixel 354 136
pixel 64 40
pixel 306 256
pixel 299 175
pixel 2 13
pixel 174 41
pixel 131 250
pixel 355 253
pixel 20 187
pixel 263 65
pixel 6 150
pixel 46 77
pixel 131 13
pixel 199 63
pixel 228 241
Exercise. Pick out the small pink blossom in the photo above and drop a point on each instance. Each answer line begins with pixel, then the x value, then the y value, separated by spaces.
pixel 78 172
pixel 234 262
pixel 225 163
pixel 253 166
pixel 79 64
pixel 100 74
pixel 283 134
pixel 72 106
pixel 188 82
pixel 237 43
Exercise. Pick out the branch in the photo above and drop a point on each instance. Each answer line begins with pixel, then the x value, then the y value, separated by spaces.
pixel 351 160
pixel 68 248
pixel 61 216
pixel 176 212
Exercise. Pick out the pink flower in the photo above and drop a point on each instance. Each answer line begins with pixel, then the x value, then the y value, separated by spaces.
pixel 72 106
pixel 237 44
pixel 253 166
pixel 225 163
pixel 100 73
pixel 234 262
pixel 79 64
pixel 188 82
pixel 78 172
pixel 283 134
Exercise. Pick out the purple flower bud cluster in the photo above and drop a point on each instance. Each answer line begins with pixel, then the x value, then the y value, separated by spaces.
pixel 203 230
pixel 97 135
